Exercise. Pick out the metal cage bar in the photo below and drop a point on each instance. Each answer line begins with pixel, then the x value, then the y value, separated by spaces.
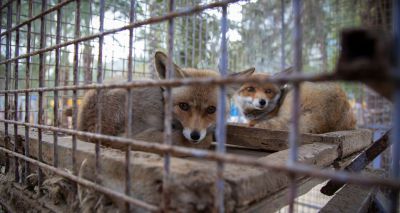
pixel 292 168
pixel 27 97
pixel 295 112
pixel 41 84
pixel 221 118
pixel 395 167
pixel 129 106
pixel 75 79
pixel 99 91
pixel 165 202
pixel 16 71
pixel 56 83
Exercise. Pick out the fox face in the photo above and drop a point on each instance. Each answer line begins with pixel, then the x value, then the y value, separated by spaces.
pixel 194 107
pixel 258 100
pixel 261 101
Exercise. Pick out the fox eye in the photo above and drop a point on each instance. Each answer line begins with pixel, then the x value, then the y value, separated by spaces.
pixel 250 89
pixel 268 91
pixel 184 106
pixel 210 109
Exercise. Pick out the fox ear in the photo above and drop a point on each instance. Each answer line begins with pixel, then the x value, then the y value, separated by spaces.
pixel 232 88
pixel 284 72
pixel 161 63
pixel 244 73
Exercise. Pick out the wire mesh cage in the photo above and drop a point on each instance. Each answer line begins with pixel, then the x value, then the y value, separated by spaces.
pixel 54 53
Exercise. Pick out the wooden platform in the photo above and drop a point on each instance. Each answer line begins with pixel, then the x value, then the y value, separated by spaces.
pixel 192 180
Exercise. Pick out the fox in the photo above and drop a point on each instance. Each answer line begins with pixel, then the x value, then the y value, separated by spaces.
pixel 193 113
pixel 324 107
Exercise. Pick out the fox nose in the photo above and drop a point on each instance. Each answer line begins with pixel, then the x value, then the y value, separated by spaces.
pixel 195 135
pixel 262 102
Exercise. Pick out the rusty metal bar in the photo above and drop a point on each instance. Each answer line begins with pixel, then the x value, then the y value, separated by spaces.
pixel 203 81
pixel 193 40
pixel 40 15
pixel 42 70
pixel 283 31
pixel 75 77
pixel 221 116
pixel 186 37
pixel 153 20
pixel 56 82
pixel 299 169
pixel 27 97
pixel 200 37
pixel 395 167
pixel 5 4
pixel 294 124
pixel 99 92
pixel 16 69
pixel 129 106
pixel 165 202
pixel 84 182
pixel 8 70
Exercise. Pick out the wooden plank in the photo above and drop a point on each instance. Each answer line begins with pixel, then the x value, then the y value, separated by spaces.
pixel 349 142
pixel 253 184
pixel 350 199
pixel 192 180
pixel 360 162
pixel 277 200
pixel 270 140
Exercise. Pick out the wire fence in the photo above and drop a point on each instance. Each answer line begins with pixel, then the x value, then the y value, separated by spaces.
pixel 52 52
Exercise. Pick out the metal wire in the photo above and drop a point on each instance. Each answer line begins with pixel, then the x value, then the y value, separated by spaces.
pixel 27 97
pixel 153 20
pixel 291 169
pixel 75 77
pixel 221 118
pixel 168 113
pixel 56 81
pixel 295 112
pixel 84 182
pixel 394 202
pixel 298 169
pixel 16 52
pixel 41 84
pixel 129 106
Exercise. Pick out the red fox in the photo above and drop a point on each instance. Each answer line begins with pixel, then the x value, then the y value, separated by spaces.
pixel 323 106
pixel 194 109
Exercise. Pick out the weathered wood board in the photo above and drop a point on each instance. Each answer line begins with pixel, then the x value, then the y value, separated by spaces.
pixel 192 180
pixel 350 199
pixel 274 140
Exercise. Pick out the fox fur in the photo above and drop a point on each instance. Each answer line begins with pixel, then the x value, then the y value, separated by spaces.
pixel 324 107
pixel 194 109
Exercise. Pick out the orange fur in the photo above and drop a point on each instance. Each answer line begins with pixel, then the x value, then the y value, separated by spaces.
pixel 323 107
pixel 192 127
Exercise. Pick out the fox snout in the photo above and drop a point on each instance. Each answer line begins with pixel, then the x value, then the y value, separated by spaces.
pixel 249 102
pixel 193 135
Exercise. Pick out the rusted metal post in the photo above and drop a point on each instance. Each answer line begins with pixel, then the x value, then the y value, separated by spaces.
pixel 56 83
pixel 75 82
pixel 168 112
pixel 16 71
pixel 129 106
pixel 294 124
pixel 221 115
pixel 396 127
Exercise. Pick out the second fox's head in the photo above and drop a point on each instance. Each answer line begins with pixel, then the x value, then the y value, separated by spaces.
pixel 258 101
pixel 194 106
